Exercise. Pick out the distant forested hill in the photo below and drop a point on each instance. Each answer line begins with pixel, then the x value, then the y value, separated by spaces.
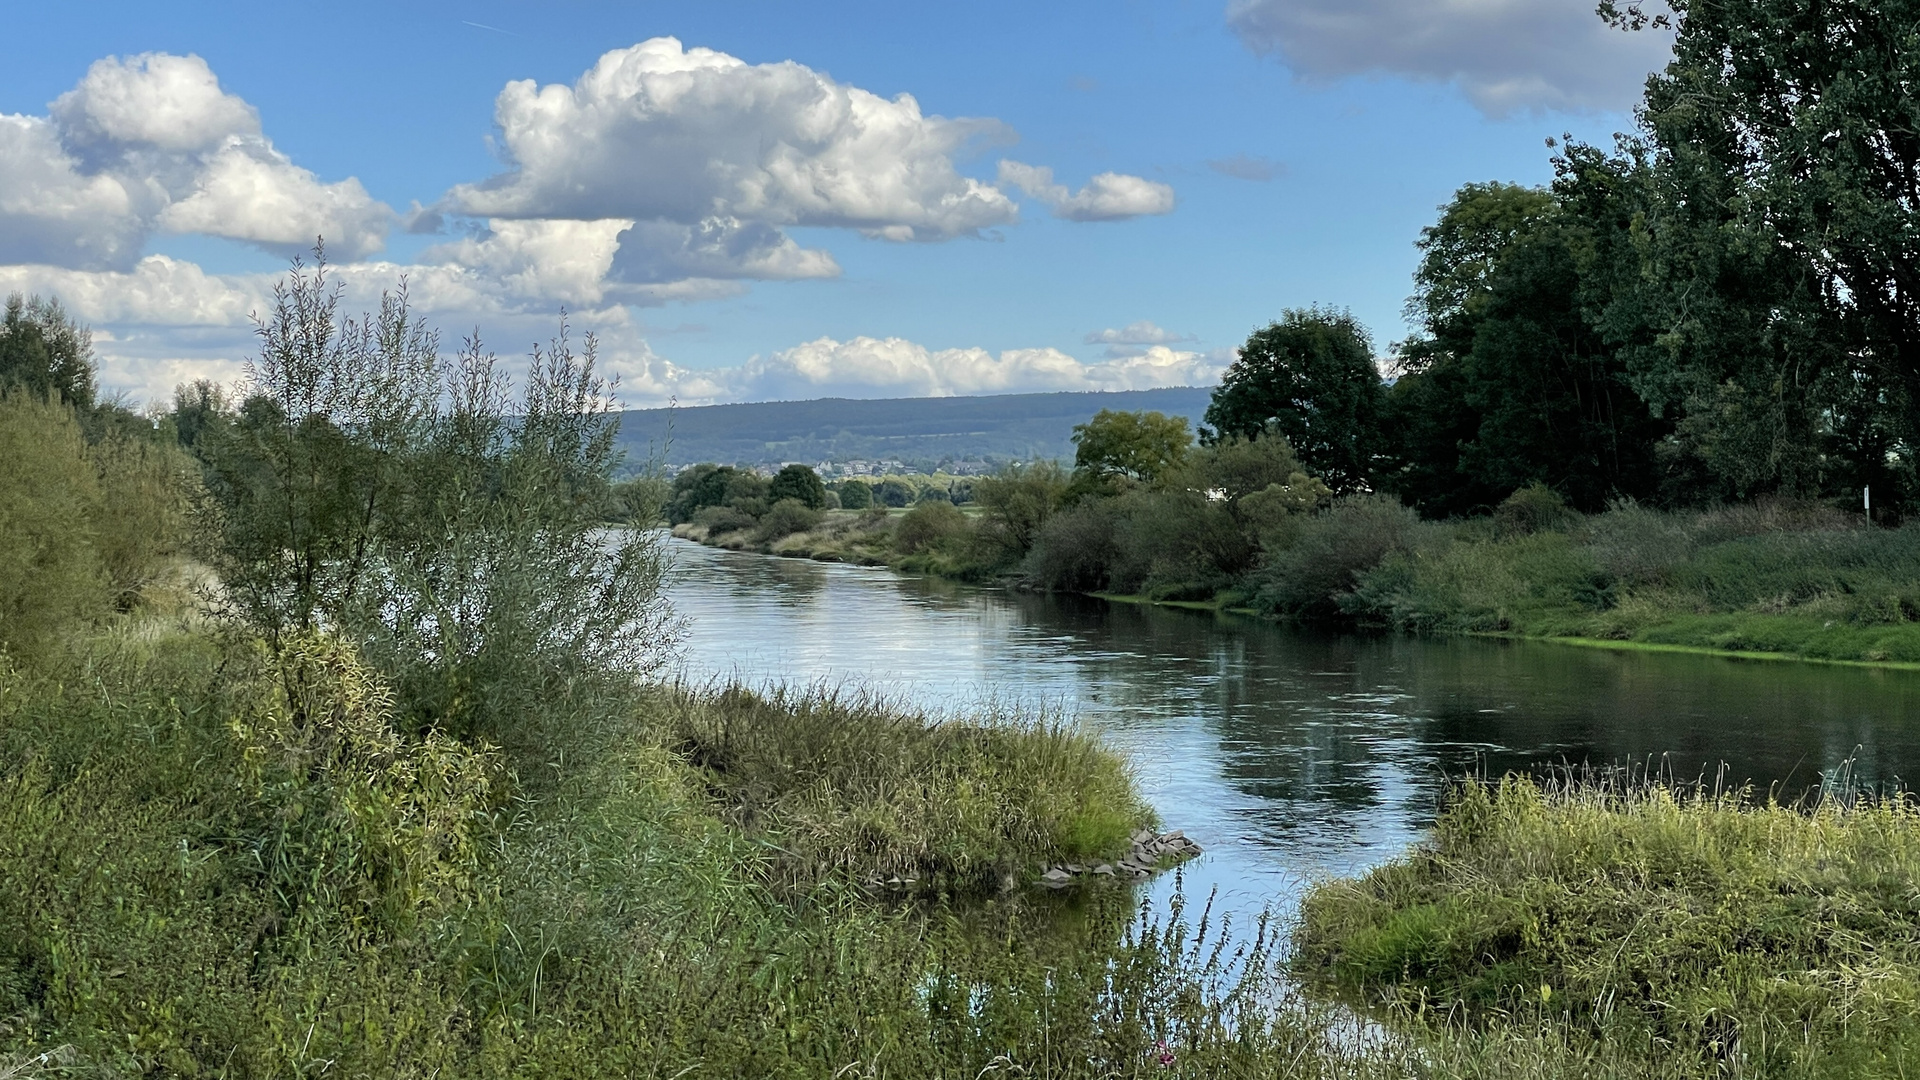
pixel 921 431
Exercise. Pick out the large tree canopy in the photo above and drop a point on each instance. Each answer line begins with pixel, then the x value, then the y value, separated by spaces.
pixel 1140 446
pixel 1510 384
pixel 1780 245
pixel 1309 377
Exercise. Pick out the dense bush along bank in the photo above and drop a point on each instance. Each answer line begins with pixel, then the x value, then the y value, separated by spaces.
pixel 1770 940
pixel 1239 525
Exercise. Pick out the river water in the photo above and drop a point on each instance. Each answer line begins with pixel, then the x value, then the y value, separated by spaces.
pixel 1287 754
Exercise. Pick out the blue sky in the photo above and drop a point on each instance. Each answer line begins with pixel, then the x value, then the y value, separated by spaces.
pixel 767 218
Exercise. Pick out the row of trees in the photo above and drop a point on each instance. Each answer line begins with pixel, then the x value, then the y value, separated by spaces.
pixel 1723 305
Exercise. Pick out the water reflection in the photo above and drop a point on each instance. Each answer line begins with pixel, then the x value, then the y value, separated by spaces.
pixel 1288 754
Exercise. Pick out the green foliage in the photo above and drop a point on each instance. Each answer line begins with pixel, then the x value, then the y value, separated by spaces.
pixel 703 486
pixel 51 576
pixel 1714 925
pixel 1311 378
pixel 1511 383
pixel 1016 503
pixel 1776 577
pixel 45 353
pixel 786 517
pixel 855 494
pixel 196 407
pixel 144 527
pixel 1775 271
pixel 1531 509
pixel 930 525
pixel 893 492
pixel 798 482
pixel 641 500
pixel 1142 446
pixel 1315 576
pixel 375 487
pixel 858 790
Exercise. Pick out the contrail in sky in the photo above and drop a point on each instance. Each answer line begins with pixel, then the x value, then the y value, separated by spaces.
pixel 495 29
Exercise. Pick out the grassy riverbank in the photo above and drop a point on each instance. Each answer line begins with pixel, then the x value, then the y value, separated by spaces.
pixel 199 874
pixel 1764 940
pixel 1774 580
pixel 202 876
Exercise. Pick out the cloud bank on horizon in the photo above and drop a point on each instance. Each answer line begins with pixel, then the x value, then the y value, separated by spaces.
pixel 667 174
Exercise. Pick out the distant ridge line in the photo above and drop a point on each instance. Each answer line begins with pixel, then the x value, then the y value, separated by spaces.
pixel 982 429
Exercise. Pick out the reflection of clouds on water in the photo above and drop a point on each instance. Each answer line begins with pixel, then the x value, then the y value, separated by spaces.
pixel 1288 755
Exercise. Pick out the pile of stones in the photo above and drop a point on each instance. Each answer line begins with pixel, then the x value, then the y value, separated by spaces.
pixel 1151 851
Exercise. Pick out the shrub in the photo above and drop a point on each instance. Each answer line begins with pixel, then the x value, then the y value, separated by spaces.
pixel 927 526
pixel 800 483
pixel 720 520
pixel 1078 548
pixel 377 487
pixel 893 492
pixel 1312 578
pixel 1016 503
pixel 51 575
pixel 786 517
pixel 1531 509
pixel 855 495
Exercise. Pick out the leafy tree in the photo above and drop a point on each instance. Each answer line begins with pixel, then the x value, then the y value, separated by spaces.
pixel 855 495
pixel 1511 383
pixel 1016 503
pixel 707 485
pixel 1780 274
pixel 893 492
pixel 45 352
pixel 1140 446
pixel 374 488
pixel 1311 376
pixel 197 406
pixel 798 482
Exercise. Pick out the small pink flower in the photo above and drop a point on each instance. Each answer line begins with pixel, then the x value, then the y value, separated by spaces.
pixel 1163 1054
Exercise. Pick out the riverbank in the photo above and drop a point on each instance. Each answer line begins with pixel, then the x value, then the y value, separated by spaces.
pixel 1754 938
pixel 725 882
pixel 657 879
pixel 1730 584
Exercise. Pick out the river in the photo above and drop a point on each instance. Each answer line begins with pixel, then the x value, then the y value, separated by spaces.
pixel 1288 754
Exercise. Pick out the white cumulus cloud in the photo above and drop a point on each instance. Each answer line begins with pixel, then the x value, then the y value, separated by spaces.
pixel 1107 197
pixel 896 367
pixel 1506 55
pixel 661 132
pixel 151 143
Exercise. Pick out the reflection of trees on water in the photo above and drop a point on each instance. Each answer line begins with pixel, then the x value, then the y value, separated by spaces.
pixel 1314 724
pixel 1292 750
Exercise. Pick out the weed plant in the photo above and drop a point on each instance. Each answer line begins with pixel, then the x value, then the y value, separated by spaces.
pixel 1749 936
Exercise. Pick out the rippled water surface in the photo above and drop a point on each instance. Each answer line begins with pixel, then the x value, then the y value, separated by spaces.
pixel 1287 754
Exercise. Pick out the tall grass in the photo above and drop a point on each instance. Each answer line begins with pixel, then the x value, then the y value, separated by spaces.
pixel 1721 929
pixel 204 874
pixel 1778 577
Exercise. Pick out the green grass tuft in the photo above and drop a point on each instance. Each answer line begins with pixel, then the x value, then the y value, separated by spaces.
pixel 1715 926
